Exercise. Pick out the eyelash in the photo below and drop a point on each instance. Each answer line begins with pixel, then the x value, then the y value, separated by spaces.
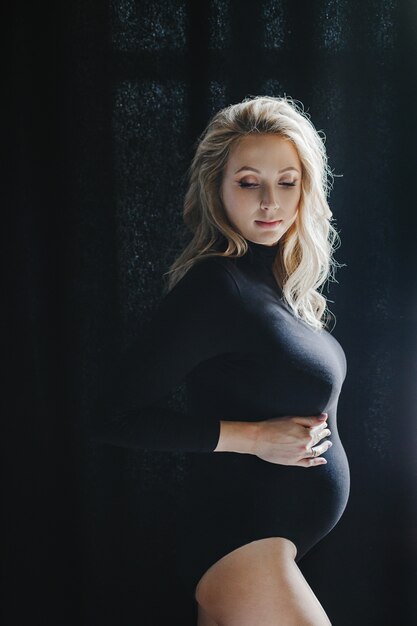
pixel 252 185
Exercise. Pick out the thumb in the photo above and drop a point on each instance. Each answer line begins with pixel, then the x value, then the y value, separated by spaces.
pixel 311 421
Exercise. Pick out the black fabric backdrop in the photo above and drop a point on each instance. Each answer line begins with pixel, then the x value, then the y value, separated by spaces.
pixel 107 100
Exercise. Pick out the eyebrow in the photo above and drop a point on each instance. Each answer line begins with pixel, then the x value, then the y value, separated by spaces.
pixel 247 167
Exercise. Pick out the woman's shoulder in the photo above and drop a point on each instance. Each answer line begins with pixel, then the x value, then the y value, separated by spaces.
pixel 208 283
pixel 207 295
pixel 211 272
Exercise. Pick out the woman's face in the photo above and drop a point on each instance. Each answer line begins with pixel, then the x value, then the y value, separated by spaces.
pixel 255 188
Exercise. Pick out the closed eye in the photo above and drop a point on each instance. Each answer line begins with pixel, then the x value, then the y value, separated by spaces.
pixel 252 185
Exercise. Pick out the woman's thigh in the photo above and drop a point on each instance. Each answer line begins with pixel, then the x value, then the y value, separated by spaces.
pixel 259 583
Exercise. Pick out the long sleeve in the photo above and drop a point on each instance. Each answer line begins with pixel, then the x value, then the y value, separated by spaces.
pixel 200 318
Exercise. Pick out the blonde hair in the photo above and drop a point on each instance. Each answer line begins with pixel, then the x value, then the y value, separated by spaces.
pixel 304 259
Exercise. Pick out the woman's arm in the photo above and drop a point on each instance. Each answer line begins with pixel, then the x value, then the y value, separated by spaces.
pixel 284 440
pixel 197 320
pixel 237 437
pixel 202 317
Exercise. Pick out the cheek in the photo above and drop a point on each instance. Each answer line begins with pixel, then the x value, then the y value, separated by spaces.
pixel 234 203
pixel 294 203
pixel 231 205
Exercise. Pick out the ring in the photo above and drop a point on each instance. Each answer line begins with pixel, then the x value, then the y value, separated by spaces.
pixel 314 452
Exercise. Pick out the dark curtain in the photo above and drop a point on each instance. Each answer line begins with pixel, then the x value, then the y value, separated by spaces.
pixel 106 102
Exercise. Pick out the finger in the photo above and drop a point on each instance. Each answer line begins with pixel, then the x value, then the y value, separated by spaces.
pixel 313 462
pixel 326 432
pixel 318 435
pixel 318 428
pixel 313 420
pixel 322 448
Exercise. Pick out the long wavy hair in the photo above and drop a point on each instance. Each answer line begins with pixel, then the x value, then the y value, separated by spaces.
pixel 304 259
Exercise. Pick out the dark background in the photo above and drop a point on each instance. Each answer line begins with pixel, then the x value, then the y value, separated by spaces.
pixel 106 101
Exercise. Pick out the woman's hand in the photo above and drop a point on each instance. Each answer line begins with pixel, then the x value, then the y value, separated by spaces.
pixel 281 440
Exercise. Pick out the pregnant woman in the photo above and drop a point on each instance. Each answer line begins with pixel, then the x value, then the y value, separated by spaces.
pixel 244 325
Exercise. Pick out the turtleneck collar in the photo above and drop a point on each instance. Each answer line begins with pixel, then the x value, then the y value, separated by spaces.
pixel 260 253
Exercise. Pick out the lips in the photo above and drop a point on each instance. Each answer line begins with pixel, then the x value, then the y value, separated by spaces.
pixel 265 222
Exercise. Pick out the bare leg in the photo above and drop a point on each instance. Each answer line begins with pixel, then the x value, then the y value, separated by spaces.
pixel 258 584
pixel 204 618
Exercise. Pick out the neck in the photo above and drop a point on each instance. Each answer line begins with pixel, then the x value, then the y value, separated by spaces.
pixel 264 249
pixel 262 253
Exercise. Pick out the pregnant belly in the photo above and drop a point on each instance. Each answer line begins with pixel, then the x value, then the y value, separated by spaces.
pixel 231 499
pixel 238 498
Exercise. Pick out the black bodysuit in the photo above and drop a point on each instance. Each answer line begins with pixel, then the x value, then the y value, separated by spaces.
pixel 226 331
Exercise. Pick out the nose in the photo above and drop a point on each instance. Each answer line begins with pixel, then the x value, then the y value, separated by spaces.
pixel 269 197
